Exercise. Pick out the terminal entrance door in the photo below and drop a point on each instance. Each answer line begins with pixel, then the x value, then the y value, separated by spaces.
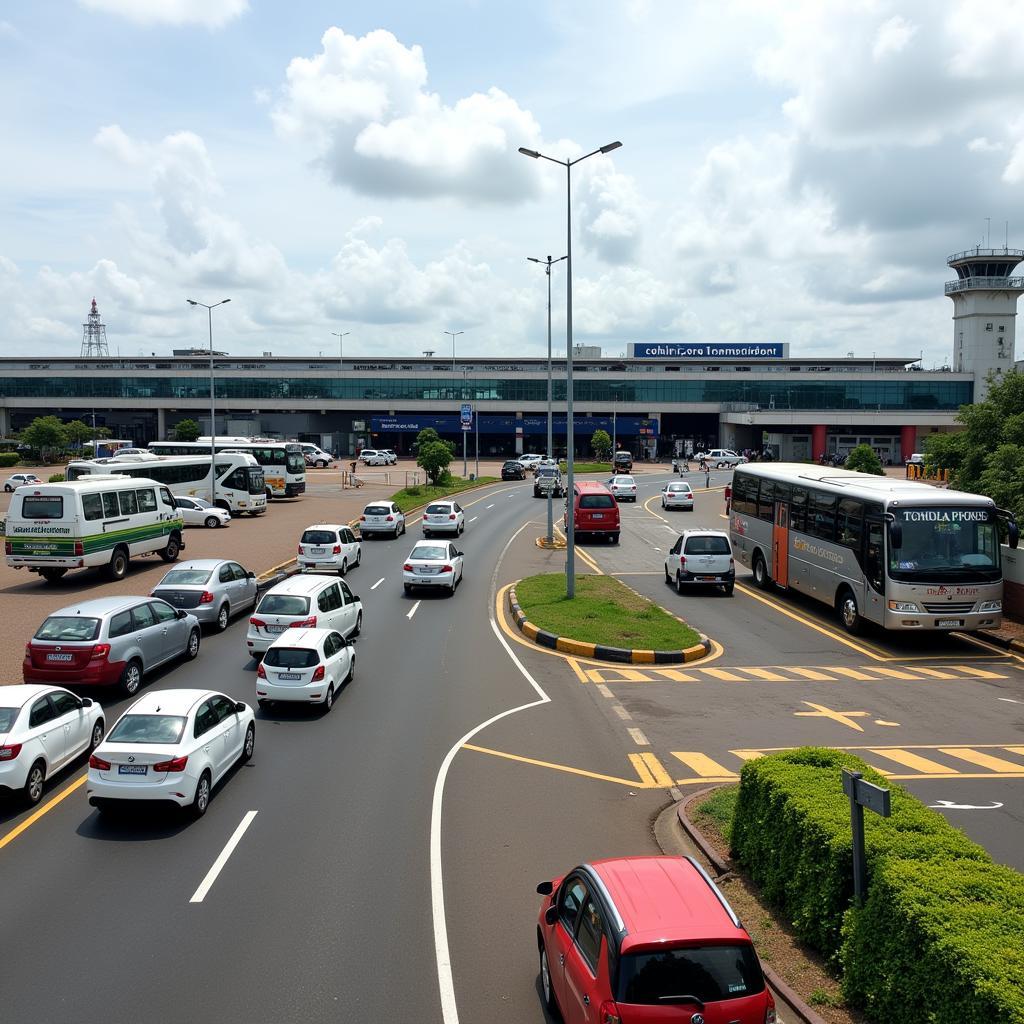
pixel 780 544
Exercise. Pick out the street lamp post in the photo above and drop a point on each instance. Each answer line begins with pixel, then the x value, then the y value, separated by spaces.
pixel 546 264
pixel 341 336
pixel 213 399
pixel 570 530
pixel 615 406
pixel 465 372
pixel 454 335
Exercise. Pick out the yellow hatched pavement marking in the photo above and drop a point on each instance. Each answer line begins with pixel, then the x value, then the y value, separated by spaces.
pixel 747 755
pixel 895 673
pixel 813 674
pixel 676 676
pixel 702 765
pixel 979 672
pixel 915 761
pixel 621 675
pixel 996 764
pixel 768 675
pixel 647 766
pixel 723 674
pixel 646 779
pixel 1015 750
pixel 935 673
pixel 853 673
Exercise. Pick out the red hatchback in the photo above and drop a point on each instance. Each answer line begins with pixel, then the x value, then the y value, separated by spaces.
pixel 595 511
pixel 647 940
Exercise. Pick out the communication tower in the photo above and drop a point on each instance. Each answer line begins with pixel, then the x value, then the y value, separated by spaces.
pixel 94 335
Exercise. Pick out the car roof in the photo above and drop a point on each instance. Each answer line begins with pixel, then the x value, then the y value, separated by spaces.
pixel 590 485
pixel 302 584
pixel 170 702
pixel 667 899
pixel 704 532
pixel 100 606
pixel 303 638
pixel 200 563
pixel 18 696
pixel 326 526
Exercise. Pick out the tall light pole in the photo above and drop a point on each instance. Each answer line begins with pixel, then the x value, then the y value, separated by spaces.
pixel 454 335
pixel 570 531
pixel 546 264
pixel 341 367
pixel 213 399
pixel 615 405
pixel 465 372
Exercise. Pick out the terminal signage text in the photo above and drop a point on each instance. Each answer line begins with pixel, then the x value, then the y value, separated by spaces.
pixel 708 350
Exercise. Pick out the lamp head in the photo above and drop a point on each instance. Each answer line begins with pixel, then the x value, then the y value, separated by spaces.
pixel 610 147
pixel 192 302
pixel 529 152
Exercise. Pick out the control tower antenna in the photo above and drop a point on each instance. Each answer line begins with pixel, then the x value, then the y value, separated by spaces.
pixel 94 335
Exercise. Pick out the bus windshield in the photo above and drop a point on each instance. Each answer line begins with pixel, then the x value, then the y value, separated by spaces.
pixel 257 483
pixel 296 463
pixel 946 545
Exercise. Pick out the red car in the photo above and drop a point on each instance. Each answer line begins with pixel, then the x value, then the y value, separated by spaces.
pixel 647 940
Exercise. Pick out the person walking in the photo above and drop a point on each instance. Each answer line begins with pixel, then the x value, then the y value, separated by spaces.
pixel 707 475
pixel 728 498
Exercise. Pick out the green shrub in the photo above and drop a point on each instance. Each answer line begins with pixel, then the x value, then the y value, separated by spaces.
pixel 938 942
pixel 9 458
pixel 791 832
pixel 56 478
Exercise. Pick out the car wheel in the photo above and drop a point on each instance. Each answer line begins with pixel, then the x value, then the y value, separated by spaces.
pixel 117 567
pixel 849 613
pixel 680 587
pixel 408 587
pixel 262 703
pixel 96 736
pixel 359 625
pixel 359 556
pixel 727 589
pixel 202 798
pixel 192 647
pixel 131 678
pixel 403 527
pixel 395 534
pixel 663 505
pixel 547 989
pixel 462 528
pixel 351 668
pixel 668 577
pixel 211 522
pixel 223 615
pixel 329 698
pixel 761 577
pixel 249 745
pixel 615 538
pixel 426 533
pixel 34 783
pixel 170 553
pixel 52 575
pixel 344 567
pixel 8 488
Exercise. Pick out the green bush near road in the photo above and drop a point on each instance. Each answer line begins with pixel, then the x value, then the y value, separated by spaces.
pixel 9 458
pixel 412 497
pixel 587 467
pixel 56 478
pixel 604 611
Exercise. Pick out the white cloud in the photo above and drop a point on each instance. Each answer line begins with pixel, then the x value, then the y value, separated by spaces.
pixel 8 30
pixel 209 13
pixel 1013 173
pixel 892 37
pixel 609 211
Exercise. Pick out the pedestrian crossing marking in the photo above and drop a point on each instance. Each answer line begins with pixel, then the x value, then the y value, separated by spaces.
pixel 813 674
pixel 996 764
pixel 724 674
pixel 981 673
pixel 895 673
pixel 768 675
pixel 915 761
pixel 702 765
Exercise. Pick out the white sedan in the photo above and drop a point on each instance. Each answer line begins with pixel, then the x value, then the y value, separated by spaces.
pixel 42 729
pixel 20 480
pixel 305 665
pixel 623 487
pixel 171 746
pixel 677 495
pixel 433 564
pixel 529 461
pixel 443 517
pixel 198 512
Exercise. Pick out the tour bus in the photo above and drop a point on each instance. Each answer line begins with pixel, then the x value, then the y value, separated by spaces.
pixel 284 465
pixel 240 486
pixel 98 520
pixel 898 553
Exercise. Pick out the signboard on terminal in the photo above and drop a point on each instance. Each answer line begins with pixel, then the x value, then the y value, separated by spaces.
pixel 708 350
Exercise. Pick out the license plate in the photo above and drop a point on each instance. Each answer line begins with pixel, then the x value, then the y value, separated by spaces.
pixel 707 579
pixel 427 572
pixel 318 551
pixel 132 769
pixel 950 622
pixel 289 675
pixel 60 657
pixel 276 629
pixel 597 515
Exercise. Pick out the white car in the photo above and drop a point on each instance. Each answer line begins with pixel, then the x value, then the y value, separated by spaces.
pixel 198 512
pixel 303 602
pixel 701 557
pixel 390 455
pixel 171 746
pixel 623 487
pixel 443 517
pixel 42 728
pixel 529 462
pixel 382 517
pixel 305 665
pixel 372 457
pixel 315 455
pixel 329 546
pixel 433 564
pixel 677 495
pixel 721 458
pixel 20 480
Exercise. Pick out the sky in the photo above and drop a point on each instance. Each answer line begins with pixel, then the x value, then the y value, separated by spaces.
pixel 789 172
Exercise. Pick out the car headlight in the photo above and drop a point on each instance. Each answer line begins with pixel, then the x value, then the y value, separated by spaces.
pixel 990 606
pixel 904 606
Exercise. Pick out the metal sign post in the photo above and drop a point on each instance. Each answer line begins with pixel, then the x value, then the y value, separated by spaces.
pixel 862 794
pixel 466 417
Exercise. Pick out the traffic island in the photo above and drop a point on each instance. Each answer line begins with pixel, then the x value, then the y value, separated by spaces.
pixel 606 620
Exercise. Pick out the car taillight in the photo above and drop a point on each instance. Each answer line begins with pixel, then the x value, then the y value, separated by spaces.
pixel 176 764
pixel 100 652
pixel 318 674
pixel 446 568
pixel 10 752
pixel 261 672
pixel 769 1014
pixel 407 567
pixel 79 548
pixel 299 550
pixel 391 519
pixel 732 562
pixel 98 763
pixel 206 598
pixel 362 519
pixel 309 623
pixel 452 516
pixel 682 561
pixel 609 1013
pixel 337 549
pixel 257 622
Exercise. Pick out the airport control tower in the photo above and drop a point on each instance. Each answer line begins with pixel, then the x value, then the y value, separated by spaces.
pixel 984 311
pixel 94 334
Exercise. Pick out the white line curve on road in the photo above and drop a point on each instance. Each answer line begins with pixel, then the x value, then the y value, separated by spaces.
pixel 218 865
pixel 412 610
pixel 378 583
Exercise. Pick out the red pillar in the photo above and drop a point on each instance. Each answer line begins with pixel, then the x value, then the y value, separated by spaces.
pixel 908 439
pixel 819 441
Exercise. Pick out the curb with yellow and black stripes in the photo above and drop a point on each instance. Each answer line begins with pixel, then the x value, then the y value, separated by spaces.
pixel 582 649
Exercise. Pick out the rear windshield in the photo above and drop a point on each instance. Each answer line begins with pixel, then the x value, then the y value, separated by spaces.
pixel 147 729
pixel 427 552
pixel 512 464
pixel 291 657
pixel 547 471
pixel 439 510
pixel 69 627
pixel 626 480
pixel 676 488
pixel 597 501
pixel 707 546
pixel 319 537
pixel 186 578
pixel 42 506
pixel 284 604
pixel 376 510
pixel 711 973
pixel 7 717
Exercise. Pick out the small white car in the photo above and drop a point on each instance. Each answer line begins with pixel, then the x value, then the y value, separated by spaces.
pixel 171 746
pixel 372 457
pixel 701 557
pixel 42 729
pixel 305 665
pixel 433 564
pixel 329 546
pixel 623 487
pixel 20 480
pixel 390 455
pixel 529 462
pixel 722 458
pixel 677 495
pixel 382 517
pixel 303 602
pixel 315 455
pixel 198 512
pixel 443 517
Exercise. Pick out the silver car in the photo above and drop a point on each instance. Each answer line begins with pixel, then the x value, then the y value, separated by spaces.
pixel 210 588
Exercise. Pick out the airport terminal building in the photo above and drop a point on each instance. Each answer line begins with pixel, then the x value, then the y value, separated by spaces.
pixel 661 396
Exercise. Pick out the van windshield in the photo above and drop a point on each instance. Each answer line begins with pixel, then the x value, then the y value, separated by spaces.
pixel 42 506
pixel 69 627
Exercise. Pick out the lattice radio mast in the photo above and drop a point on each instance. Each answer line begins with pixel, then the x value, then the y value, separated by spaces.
pixel 94 335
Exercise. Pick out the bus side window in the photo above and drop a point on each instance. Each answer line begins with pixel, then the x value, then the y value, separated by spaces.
pixel 822 519
pixel 798 510
pixel 873 554
pixel 850 523
pixel 110 509
pixel 766 501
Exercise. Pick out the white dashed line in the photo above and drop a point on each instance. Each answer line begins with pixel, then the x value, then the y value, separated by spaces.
pixel 218 865
pixel 623 713
pixel 378 583
pixel 638 737
pixel 671 529
pixel 604 691
pixel 412 610
pixel 474 519
pixel 486 507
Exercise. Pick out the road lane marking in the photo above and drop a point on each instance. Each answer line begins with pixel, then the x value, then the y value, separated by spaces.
pixel 894 673
pixel 412 610
pixel 983 760
pixel 702 765
pixel 841 717
pixel 37 814
pixel 486 507
pixel 637 736
pixel 218 865
pixel 378 583
pixel 813 674
pixel 910 760
pixel 474 519
pixel 724 675
pixel 604 691
pixel 622 713
pixel 767 675
pixel 649 768
pixel 979 672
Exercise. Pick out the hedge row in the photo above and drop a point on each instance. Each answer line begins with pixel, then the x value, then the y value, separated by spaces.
pixel 9 458
pixel 939 913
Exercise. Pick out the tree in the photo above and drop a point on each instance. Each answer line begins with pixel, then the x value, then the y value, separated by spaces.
pixel 864 459
pixel 186 430
pixel 45 434
pixel 602 445
pixel 77 433
pixel 434 457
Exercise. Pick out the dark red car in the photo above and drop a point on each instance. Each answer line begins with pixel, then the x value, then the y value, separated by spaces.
pixel 647 940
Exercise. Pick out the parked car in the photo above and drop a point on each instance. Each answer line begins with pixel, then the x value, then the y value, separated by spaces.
pixel 210 588
pixel 529 461
pixel 331 546
pixel 646 939
pixel 513 470
pixel 443 517
pixel 622 462
pixel 372 457
pixel 721 458
pixel 677 495
pixel 108 641
pixel 623 487
pixel 173 747
pixel 548 479
pixel 42 729
pixel 20 480
pixel 595 511
pixel 390 455
pixel 199 512
pixel 701 557
pixel 315 455
pixel 433 564
pixel 382 517
pixel 305 665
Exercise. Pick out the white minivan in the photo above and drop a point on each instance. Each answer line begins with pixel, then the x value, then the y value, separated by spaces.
pixel 102 520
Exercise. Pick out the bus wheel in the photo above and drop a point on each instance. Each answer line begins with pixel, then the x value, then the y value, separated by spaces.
pixel 221 503
pixel 117 567
pixel 849 613
pixel 170 553
pixel 761 577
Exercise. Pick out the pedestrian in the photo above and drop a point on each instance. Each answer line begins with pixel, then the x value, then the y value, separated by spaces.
pixel 707 475
pixel 728 498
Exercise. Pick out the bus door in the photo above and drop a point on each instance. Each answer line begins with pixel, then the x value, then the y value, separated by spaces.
pixel 874 570
pixel 780 544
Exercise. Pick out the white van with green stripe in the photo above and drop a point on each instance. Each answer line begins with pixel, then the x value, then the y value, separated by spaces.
pixel 100 521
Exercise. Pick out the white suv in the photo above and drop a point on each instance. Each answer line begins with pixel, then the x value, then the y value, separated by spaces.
pixel 329 546
pixel 721 458
pixel 701 557
pixel 306 665
pixel 382 517
pixel 372 457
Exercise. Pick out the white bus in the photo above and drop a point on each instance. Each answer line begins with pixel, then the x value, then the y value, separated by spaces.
pixel 240 483
pixel 284 465
pixel 901 554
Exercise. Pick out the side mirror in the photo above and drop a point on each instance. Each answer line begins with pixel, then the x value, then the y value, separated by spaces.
pixel 896 534
pixel 250 575
pixel 180 613
pixel 87 702
pixel 545 888
pixel 239 706
pixel 551 914
pixel 1013 532
pixel 355 597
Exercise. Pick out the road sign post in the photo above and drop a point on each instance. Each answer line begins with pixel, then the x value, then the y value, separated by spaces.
pixel 466 417
pixel 862 794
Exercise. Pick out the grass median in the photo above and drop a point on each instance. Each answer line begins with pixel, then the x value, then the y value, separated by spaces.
pixel 604 611
pixel 412 497
pixel 587 467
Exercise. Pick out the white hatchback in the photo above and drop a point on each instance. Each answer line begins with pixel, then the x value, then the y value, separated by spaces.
pixel 198 512
pixel 304 602
pixel 529 462
pixel 329 546
pixel 12 483
pixel 171 746
pixel 701 557
pixel 433 564
pixel 623 487
pixel 372 457
pixel 42 729
pixel 443 517
pixel 382 517
pixel 677 495
pixel 305 665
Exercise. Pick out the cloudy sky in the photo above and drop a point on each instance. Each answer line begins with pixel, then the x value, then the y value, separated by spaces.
pixel 789 172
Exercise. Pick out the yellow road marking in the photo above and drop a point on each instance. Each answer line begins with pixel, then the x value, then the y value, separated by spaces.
pixel 852 673
pixel 646 779
pixel 747 755
pixel 575 666
pixel 894 673
pixel 979 672
pixel 915 761
pixel 46 808
pixel 701 764
pixel 648 767
pixel 655 514
pixel 676 675
pixel 996 764
pixel 626 675
pixel 813 674
pixel 935 673
pixel 724 674
pixel 1015 750
pixel 842 717
pixel 768 675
